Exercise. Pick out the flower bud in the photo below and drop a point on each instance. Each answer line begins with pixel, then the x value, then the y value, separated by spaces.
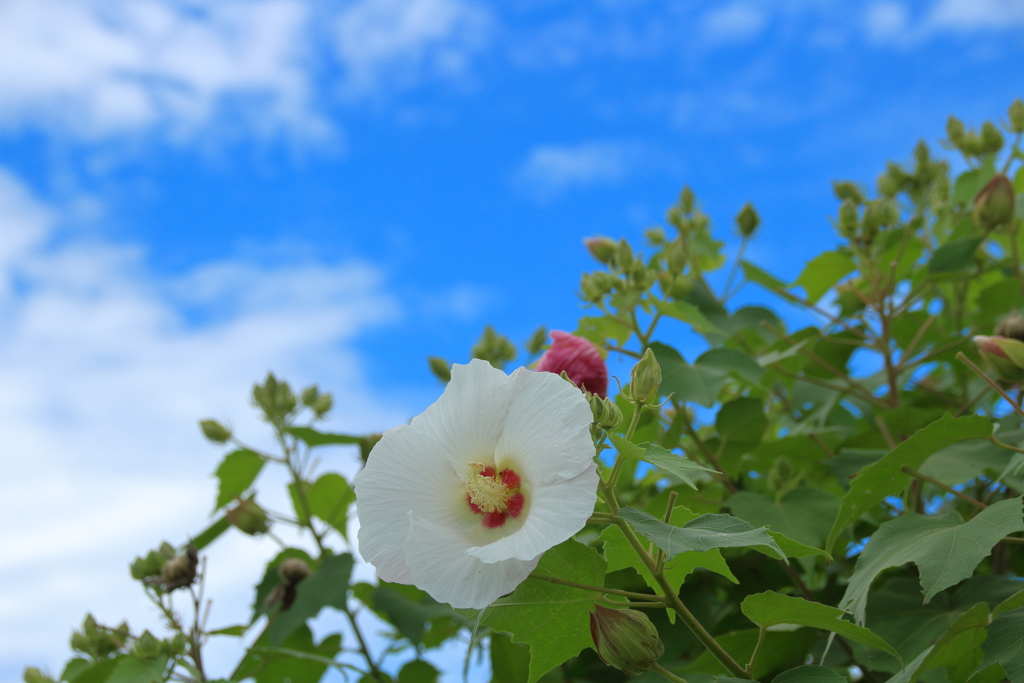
pixel 747 220
pixel 1016 114
pixel 293 570
pixel 642 276
pixel 625 639
pixel 686 199
pixel 177 645
pixel 275 398
pixel 323 404
pixel 601 248
pixel 496 349
pixel 623 257
pixel 1012 326
pixel 848 218
pixel 536 342
pixel 180 571
pixel 590 288
pixel 892 180
pixel 439 366
pixel 846 190
pixel 955 130
pixel 994 204
pixel 1003 355
pixel 606 413
pixel 991 138
pixel 655 235
pixel 579 359
pixel 309 395
pixel 34 675
pixel 646 378
pixel 675 255
pixel 249 518
pixel 147 646
pixel 215 431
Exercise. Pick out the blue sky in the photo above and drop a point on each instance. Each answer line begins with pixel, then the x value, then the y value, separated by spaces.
pixel 192 193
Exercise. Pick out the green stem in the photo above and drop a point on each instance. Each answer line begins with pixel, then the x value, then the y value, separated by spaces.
pixel 655 599
pixel 757 650
pixel 668 674
pixel 948 489
pixel 981 373
pixel 609 486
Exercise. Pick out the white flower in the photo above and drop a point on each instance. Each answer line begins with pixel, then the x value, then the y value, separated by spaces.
pixel 464 500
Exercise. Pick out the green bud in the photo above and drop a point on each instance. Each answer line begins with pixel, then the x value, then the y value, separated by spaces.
pixel 991 138
pixel 655 235
pixel 971 144
pixel 181 570
pixel 34 675
pixel 994 204
pixel 642 276
pixel 646 378
pixel 1016 114
pixel 1012 327
pixel 536 341
pixel 955 130
pixel 623 258
pixel 177 645
pixel 606 413
pixel 625 639
pixel 747 220
pixel 496 349
pixel 80 642
pixel 292 570
pixel 275 398
pixel 922 155
pixel 686 199
pixel 309 395
pixel 675 255
pixel 323 404
pixel 439 366
pixel 846 190
pixel 147 646
pixel 590 289
pixel 248 517
pixel 215 431
pixel 849 218
pixel 601 248
pixel 892 181
pixel 1003 355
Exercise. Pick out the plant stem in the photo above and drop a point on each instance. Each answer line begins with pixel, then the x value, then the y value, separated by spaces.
pixel 609 486
pixel 668 674
pixel 981 373
pixel 657 599
pixel 948 489
pixel 757 651
pixel 710 459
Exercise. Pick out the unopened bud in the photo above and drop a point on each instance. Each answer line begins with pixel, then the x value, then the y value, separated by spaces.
pixel 215 431
pixel 642 276
pixel 606 413
pixel 495 348
pixel 293 570
pixel 309 395
pixel 625 639
pixel 686 199
pixel 177 645
pixel 846 190
pixel 655 235
pixel 994 204
pixel 848 218
pixel 578 359
pixel 536 341
pixel 323 404
pixel 1016 114
pixel 34 675
pixel 891 181
pixel 922 155
pixel 646 378
pixel 675 255
pixel 147 646
pixel 623 257
pixel 1005 356
pixel 439 366
pixel 249 518
pixel 955 130
pixel 747 220
pixel 601 248
pixel 1012 327
pixel 180 571
pixel 590 288
pixel 991 138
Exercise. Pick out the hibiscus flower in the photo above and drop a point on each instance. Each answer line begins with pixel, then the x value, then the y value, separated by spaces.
pixel 579 359
pixel 464 500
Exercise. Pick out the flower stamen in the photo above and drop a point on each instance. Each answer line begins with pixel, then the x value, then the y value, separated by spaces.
pixel 495 495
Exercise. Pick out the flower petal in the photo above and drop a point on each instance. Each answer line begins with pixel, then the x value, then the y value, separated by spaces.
pixel 439 564
pixel 407 471
pixel 547 430
pixel 469 416
pixel 556 513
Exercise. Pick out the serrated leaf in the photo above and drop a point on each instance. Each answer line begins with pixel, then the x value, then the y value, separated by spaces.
pixel 312 437
pixel 663 459
pixel 703 533
pixel 823 272
pixel 687 313
pixel 329 499
pixel 771 609
pixel 946 549
pixel 236 473
pixel 755 274
pixel 1005 645
pixel 410 609
pixel 552 619
pixel 954 256
pixel 689 383
pixel 810 674
pixel 325 587
pixel 885 478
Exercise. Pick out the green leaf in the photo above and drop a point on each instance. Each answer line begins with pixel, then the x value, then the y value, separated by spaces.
pixel 742 421
pixel 325 587
pixel 823 272
pixel 551 618
pixel 510 662
pixel 732 362
pixel 1005 645
pixel 780 649
pixel 329 499
pixel 771 609
pixel 793 548
pixel 966 460
pixel 885 478
pixel 236 473
pixel 755 274
pixel 600 330
pixel 211 533
pixel 954 256
pixel 810 674
pixel 946 549
pixel 969 184
pixel 73 668
pixel 418 671
pixel 271 578
pixel 703 533
pixel 688 313
pixel 661 458
pixel 959 649
pixel 410 610
pixel 100 671
pixel 689 383
pixel 312 437
pixel 804 514
pixel 135 670
pixel 297 660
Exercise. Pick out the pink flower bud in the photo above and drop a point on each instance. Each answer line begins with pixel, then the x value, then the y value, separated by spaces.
pixel 579 359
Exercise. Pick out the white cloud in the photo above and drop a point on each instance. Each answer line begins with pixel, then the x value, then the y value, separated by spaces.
pixel 106 369
pixel 734 23
pixel 552 169
pixel 969 15
pixel 892 22
pixel 398 42
pixel 885 20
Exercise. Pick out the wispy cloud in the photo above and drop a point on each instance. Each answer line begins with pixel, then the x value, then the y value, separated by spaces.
pixel 552 169
pixel 733 23
pixel 904 24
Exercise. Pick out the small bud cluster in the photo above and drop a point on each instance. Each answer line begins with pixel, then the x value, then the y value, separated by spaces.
pixel 99 641
pixel 276 400
pixel 994 204
pixel 292 571
pixel 496 349
pixel 165 568
pixel 319 403
pixel 989 140
pixel 625 639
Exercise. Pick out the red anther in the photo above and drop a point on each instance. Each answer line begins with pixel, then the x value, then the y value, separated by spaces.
pixel 515 505
pixel 488 472
pixel 492 520
pixel 473 506
pixel 510 479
